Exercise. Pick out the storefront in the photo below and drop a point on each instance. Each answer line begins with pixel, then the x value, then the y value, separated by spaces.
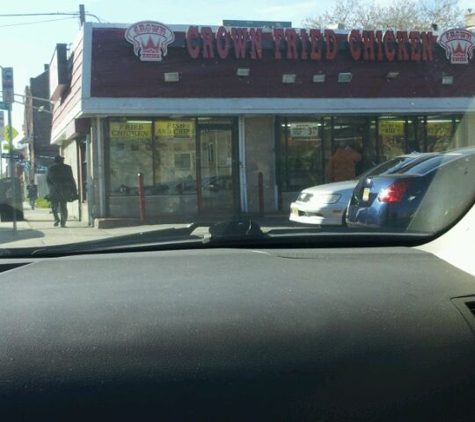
pixel 189 165
pixel 205 114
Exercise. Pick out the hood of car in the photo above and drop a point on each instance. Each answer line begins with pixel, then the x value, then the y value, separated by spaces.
pixel 332 187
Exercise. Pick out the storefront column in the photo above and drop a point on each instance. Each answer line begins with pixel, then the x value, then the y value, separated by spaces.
pixel 98 176
pixel 242 163
pixel 260 158
pixel 89 181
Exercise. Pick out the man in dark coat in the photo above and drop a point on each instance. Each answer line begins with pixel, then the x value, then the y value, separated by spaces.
pixel 62 189
pixel 32 193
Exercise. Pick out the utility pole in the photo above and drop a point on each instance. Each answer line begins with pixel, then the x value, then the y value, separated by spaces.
pixel 82 14
pixel 8 99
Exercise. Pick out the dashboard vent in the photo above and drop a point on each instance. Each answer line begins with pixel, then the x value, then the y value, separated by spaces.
pixel 471 307
pixel 466 306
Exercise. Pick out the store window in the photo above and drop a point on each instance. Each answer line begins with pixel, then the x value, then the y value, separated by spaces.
pixel 175 156
pixel 354 136
pixel 164 151
pixel 131 152
pixel 440 131
pixel 392 134
pixel 301 153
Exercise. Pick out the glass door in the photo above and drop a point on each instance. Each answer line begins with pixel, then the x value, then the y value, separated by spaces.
pixel 217 170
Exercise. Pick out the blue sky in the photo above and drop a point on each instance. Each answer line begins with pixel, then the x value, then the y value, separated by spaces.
pixel 28 44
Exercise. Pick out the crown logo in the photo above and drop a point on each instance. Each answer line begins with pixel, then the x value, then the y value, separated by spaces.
pixel 150 40
pixel 458 45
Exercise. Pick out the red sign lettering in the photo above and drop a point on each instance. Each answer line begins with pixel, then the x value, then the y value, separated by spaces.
pixel 316 43
pixel 207 38
pixel 239 38
pixel 402 54
pixel 222 42
pixel 193 42
pixel 256 43
pixel 278 39
pixel 389 40
pixel 291 37
pixel 354 43
pixel 311 44
pixel 368 39
pixel 331 44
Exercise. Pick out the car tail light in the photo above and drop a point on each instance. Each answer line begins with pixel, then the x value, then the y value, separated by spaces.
pixel 394 193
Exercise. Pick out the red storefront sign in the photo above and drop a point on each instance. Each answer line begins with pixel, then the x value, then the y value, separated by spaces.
pixel 150 40
pixel 311 44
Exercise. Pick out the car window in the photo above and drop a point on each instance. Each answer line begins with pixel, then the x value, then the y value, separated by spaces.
pixel 392 166
pixel 124 118
pixel 428 165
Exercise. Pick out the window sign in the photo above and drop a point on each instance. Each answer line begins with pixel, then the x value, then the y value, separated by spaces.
pixel 391 128
pixel 304 130
pixel 439 129
pixel 130 130
pixel 175 129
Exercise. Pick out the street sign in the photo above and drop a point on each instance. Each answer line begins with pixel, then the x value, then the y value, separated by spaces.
pixel 15 155
pixel 2 126
pixel 7 133
pixel 7 85
pixel 4 106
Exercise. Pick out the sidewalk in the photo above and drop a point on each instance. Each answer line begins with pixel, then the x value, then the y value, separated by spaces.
pixel 37 230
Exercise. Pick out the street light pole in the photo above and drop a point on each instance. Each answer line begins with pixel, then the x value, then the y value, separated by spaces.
pixel 8 99
pixel 12 168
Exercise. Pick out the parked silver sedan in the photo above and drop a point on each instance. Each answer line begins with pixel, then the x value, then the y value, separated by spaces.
pixel 326 204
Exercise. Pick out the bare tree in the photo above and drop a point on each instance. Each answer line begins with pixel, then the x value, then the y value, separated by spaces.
pixel 416 15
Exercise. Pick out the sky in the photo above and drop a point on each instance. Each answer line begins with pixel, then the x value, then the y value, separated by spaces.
pixel 27 43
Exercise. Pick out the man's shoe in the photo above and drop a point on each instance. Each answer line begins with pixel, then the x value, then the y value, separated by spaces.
pixel 56 223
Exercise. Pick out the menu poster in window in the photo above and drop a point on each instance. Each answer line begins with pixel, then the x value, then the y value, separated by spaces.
pixel 130 131
pixel 175 129
pixel 439 129
pixel 391 128
pixel 304 130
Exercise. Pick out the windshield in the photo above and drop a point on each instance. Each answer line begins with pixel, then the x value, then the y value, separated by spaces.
pixel 188 121
pixel 395 165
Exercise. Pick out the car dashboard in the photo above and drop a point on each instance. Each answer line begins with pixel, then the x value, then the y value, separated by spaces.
pixel 371 333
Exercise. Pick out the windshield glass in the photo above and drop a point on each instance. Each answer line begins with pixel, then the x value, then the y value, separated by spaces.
pixel 120 119
pixel 394 165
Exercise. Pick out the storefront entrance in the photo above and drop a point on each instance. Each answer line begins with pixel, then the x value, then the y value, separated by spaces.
pixel 217 169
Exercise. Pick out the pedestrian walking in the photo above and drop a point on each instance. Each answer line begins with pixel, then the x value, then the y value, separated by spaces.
pixel 62 189
pixel 32 193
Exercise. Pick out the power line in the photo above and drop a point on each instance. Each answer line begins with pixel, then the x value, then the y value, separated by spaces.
pixel 35 22
pixel 13 15
pixel 73 14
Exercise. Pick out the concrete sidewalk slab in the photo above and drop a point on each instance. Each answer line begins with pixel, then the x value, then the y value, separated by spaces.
pixel 38 230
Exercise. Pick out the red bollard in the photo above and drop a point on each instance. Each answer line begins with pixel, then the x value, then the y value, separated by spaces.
pixel 141 197
pixel 260 183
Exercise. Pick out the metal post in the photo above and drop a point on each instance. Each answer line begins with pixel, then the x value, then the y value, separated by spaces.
pixel 260 182
pixel 141 197
pixel 9 99
pixel 2 128
pixel 12 169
